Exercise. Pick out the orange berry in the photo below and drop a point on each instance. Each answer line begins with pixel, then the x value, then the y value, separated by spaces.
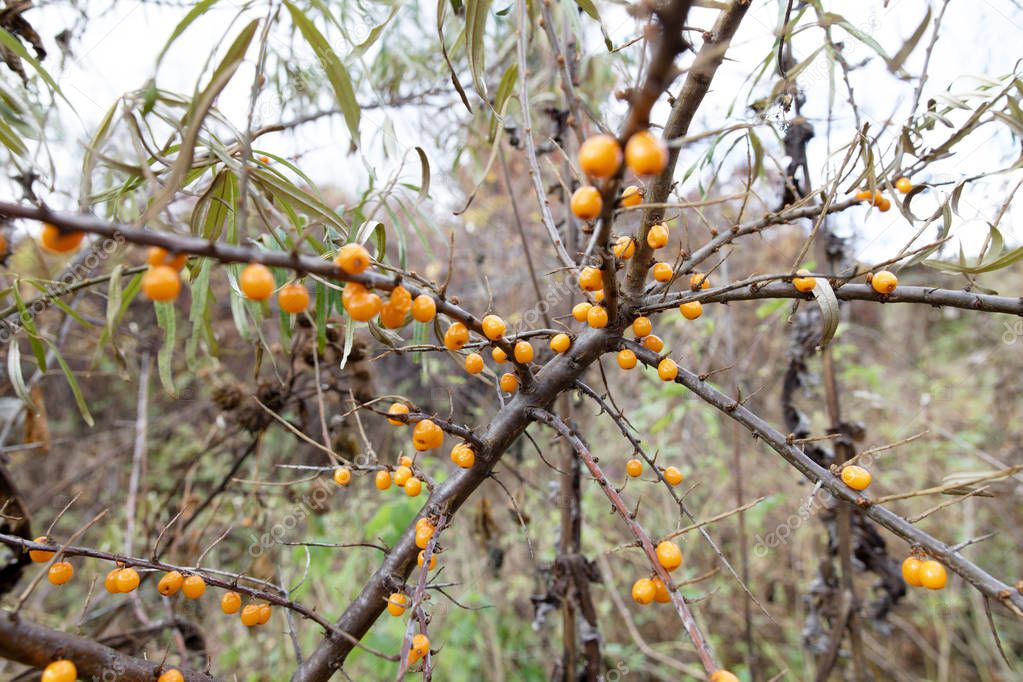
pixel 933 575
pixel 427 435
pixel 397 408
pixel 60 572
pixel 421 645
pixel 342 475
pixel 500 357
pixel 172 675
pixel 884 282
pixel 911 571
pixel 634 468
pixel 127 580
pixel 230 603
pixel 864 195
pixel 401 475
pixel 293 298
pixel 509 382
pixel 493 327
pixel 667 369
pixel 579 310
pixel 643 591
pixel 433 561
pixel 596 317
pixel 110 582
pixel 250 615
pixel 473 363
pixel 391 317
pixel 413 486
pixel 654 343
pixel 884 204
pixel 423 536
pixel 256 282
pixel 463 455
pixel 400 299
pixel 424 308
pixel 56 240
pixel 723 676
pixel 904 185
pixel 632 196
pixel 561 343
pixel 40 556
pixel 669 555
pixel 161 283
pixel 699 281
pixel 657 237
pixel 523 352
pixel 662 595
pixel 157 255
pixel 60 671
pixel 804 285
pixel 641 326
pixel 352 258
pixel 673 476
pixel 646 154
pixel 397 603
pixel 624 247
pixel 456 336
pixel 626 359
pixel 423 522
pixel 856 477
pixel 265 612
pixel 590 279
pixel 363 307
pixel 600 156
pixel 691 310
pixel 170 583
pixel 193 587
pixel 586 203
pixel 382 480
pixel 663 272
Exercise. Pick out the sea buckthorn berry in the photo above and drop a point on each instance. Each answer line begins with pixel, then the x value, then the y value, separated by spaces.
pixel 172 675
pixel 661 595
pixel 127 580
pixel 654 343
pixel 884 204
pixel 723 676
pixel 60 572
pixel 405 461
pixel 856 477
pixel 864 195
pixel 56 240
pixel 351 291
pixel 110 582
pixel 256 282
pixel 161 283
pixel 157 255
pixel 170 583
pixel 427 435
pixel 669 555
pixel 423 522
pixel 493 327
pixel 804 284
pixel 400 299
pixel 641 327
pixel 397 408
pixel 463 455
pixel 265 611
pixel 382 480
pixel 230 603
pixel 193 587
pixel 884 282
pixel 40 556
pixel 624 247
pixel 500 357
pixel 250 615
pixel 590 279
pixel 645 154
pixel 643 591
pixel 586 203
pixel 473 363
pixel 391 317
pixel 632 196
pixel 456 336
pixel 561 343
pixel 433 560
pixel 579 310
pixel 596 317
pixel 657 237
pixel 401 475
pixel 691 309
pixel 397 603
pixel 293 298
pixel 933 575
pixel 509 382
pixel 673 476
pixel 363 307
pixel 663 272
pixel 352 258
pixel 634 468
pixel 413 486
pixel 598 295
pixel 423 536
pixel 342 475
pixel 904 185
pixel 667 369
pixel 421 644
pixel 600 156
pixel 424 308
pixel 911 571
pixel 60 671
pixel 626 359
pixel 523 352
pixel 698 280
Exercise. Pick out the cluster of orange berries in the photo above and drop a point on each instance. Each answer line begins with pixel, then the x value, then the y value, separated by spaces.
pixel 929 573
pixel 426 435
pixel 876 198
pixel 634 468
pixel 601 157
pixel 256 613
pixel 424 533
pixel 647 590
pixel 494 328
pixel 65 671
pixel 397 603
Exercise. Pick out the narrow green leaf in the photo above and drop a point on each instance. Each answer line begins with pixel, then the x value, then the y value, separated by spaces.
pixel 424 183
pixel 193 14
pixel 476 12
pixel 72 383
pixel 907 48
pixel 15 375
pixel 166 318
